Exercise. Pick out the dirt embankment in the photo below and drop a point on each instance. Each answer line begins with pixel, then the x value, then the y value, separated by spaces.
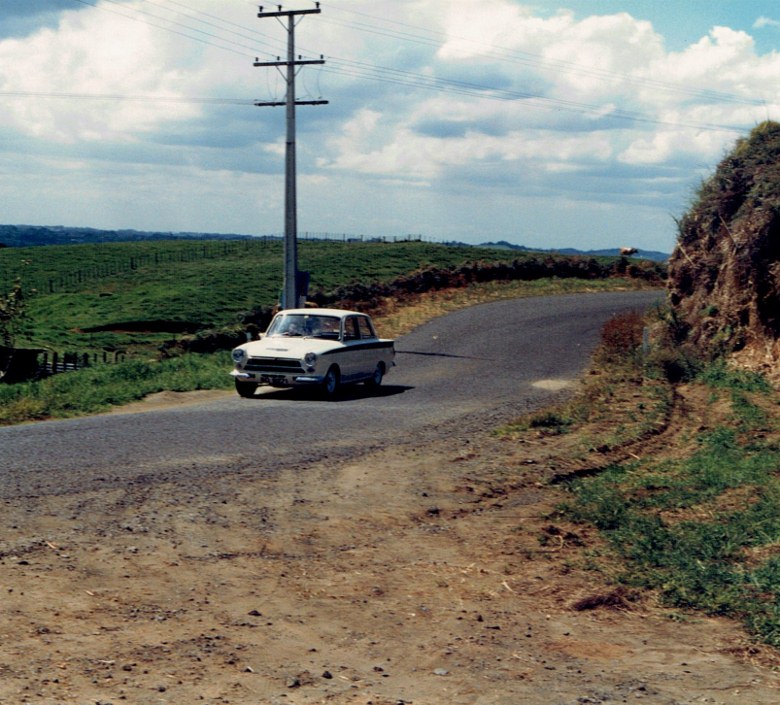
pixel 430 576
pixel 724 275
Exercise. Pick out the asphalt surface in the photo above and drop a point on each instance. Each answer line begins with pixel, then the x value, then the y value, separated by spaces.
pixel 457 375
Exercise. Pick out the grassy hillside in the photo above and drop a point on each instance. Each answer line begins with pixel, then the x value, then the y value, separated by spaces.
pixel 120 295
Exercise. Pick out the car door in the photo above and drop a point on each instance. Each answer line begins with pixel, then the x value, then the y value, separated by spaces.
pixel 369 353
pixel 350 361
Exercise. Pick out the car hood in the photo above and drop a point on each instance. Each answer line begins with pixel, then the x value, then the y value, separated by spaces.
pixel 288 347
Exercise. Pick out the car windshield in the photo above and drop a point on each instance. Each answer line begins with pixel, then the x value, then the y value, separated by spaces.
pixel 304 325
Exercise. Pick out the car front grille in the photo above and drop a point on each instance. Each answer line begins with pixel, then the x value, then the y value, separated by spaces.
pixel 273 365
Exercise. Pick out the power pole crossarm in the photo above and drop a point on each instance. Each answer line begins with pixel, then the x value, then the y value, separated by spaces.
pixel 277 104
pixel 287 13
pixel 299 62
pixel 291 292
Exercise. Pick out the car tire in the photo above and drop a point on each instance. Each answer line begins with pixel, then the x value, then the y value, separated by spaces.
pixel 376 379
pixel 331 382
pixel 246 389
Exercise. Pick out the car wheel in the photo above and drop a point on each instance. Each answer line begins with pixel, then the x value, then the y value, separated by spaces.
pixel 331 382
pixel 245 389
pixel 376 379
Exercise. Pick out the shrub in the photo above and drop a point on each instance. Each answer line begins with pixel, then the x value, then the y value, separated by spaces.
pixel 622 338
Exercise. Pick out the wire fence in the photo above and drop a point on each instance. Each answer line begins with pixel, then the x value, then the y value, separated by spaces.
pixel 191 251
pixel 54 363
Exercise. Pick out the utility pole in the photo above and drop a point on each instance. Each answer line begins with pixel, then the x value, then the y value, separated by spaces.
pixel 291 291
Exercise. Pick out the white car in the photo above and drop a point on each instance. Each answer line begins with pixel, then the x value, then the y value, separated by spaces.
pixel 314 347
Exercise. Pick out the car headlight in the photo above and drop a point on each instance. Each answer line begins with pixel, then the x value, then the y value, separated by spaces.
pixel 239 356
pixel 310 361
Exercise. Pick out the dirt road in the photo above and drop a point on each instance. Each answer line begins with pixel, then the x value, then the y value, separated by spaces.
pixel 427 576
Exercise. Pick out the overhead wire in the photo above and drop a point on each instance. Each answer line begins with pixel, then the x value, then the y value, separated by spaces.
pixel 427 37
pixel 208 35
pixel 530 99
pixel 126 98
pixel 229 36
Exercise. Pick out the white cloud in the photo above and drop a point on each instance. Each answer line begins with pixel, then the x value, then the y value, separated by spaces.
pixel 472 28
pixel 670 146
pixel 90 54
pixel 762 22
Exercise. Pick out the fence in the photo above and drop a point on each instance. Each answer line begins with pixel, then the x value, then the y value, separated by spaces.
pixel 22 364
pixel 210 250
pixel 56 363
pixel 190 251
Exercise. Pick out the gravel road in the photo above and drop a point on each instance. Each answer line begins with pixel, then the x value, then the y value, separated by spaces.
pixel 457 374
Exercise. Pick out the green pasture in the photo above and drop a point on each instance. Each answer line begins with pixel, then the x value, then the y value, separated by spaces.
pixel 172 284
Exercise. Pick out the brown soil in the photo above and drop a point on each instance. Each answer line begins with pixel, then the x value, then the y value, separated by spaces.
pixel 428 575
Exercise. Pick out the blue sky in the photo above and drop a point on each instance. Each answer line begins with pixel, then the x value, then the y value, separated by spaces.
pixel 587 123
pixel 684 22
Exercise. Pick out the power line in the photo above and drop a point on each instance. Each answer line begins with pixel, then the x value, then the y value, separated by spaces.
pixel 251 35
pixel 434 39
pixel 127 98
pixel 90 3
pixel 535 100
pixel 389 75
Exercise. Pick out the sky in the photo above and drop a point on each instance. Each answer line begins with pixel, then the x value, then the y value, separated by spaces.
pixel 572 123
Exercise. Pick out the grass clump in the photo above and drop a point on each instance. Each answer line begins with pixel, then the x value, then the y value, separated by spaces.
pixel 550 420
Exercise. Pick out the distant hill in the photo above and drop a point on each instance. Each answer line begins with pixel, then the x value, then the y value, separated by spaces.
pixel 32 235
pixel 613 252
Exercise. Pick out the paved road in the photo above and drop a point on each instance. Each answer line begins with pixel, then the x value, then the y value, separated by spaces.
pixel 464 372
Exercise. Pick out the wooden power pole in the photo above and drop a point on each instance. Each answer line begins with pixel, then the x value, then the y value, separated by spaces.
pixel 291 290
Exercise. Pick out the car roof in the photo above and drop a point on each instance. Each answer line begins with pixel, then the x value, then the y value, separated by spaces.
pixel 338 312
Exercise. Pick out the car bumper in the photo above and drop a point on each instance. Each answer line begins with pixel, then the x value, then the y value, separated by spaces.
pixel 304 380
